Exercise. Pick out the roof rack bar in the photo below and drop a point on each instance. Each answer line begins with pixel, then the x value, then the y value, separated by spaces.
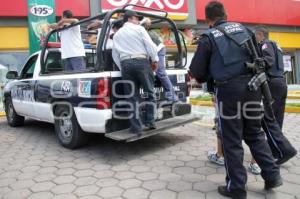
pixel 151 9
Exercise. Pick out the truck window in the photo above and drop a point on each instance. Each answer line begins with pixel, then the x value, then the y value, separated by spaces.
pixel 54 63
pixel 28 69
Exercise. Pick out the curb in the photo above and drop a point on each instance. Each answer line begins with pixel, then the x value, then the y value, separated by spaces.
pixel 201 103
pixel 288 109
pixel 293 97
pixel 2 114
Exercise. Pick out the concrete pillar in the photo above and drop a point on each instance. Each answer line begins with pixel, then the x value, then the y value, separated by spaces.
pixel 95 7
pixel 297 63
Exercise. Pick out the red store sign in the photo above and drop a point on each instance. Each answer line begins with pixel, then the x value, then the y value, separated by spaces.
pixel 177 9
pixel 276 12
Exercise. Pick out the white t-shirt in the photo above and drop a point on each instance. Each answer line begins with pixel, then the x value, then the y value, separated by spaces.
pixel 71 43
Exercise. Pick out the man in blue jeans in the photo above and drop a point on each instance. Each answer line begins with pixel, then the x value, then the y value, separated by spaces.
pixel 163 76
pixel 136 55
pixel 161 70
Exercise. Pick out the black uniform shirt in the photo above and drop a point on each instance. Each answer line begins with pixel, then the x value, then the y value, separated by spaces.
pixel 200 63
pixel 268 53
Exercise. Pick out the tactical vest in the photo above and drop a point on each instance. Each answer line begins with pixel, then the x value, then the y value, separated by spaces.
pixel 278 69
pixel 228 57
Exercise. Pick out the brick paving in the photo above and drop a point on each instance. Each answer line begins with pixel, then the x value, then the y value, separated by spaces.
pixel 170 165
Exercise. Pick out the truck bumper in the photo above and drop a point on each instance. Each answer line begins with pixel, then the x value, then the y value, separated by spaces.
pixel 92 120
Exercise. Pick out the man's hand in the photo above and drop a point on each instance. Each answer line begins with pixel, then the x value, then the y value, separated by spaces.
pixel 94 25
pixel 154 66
pixel 53 26
pixel 146 22
pixel 61 23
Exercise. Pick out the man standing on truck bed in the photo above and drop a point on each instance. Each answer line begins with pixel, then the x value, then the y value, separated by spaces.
pixel 132 50
pixel 72 49
pixel 161 70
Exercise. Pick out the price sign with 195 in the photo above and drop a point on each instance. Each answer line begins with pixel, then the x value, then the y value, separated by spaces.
pixel 41 10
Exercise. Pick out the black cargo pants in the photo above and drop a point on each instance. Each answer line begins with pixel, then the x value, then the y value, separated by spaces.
pixel 272 122
pixel 240 119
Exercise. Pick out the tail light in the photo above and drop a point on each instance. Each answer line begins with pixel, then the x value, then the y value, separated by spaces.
pixel 53 44
pixel 103 94
pixel 189 84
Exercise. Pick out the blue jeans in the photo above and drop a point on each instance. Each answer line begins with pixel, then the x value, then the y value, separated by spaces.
pixel 75 64
pixel 163 77
pixel 140 74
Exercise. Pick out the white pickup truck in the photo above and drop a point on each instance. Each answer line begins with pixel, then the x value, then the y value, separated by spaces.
pixel 78 103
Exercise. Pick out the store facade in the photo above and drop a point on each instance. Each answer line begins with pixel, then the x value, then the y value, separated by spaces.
pixel 282 17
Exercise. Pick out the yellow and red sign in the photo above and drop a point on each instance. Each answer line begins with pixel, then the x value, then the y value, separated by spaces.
pixel 177 9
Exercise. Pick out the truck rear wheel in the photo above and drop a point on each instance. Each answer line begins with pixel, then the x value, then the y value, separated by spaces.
pixel 12 117
pixel 67 129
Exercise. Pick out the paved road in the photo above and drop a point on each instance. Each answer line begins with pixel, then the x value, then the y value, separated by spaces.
pixel 170 165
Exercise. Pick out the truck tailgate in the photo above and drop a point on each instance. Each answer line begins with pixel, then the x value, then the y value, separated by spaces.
pixel 125 135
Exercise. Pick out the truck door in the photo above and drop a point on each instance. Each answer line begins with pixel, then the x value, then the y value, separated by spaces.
pixel 23 91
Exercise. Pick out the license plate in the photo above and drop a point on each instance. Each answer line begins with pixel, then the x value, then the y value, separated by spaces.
pixel 160 113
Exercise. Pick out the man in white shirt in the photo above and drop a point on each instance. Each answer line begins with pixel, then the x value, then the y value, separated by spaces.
pixel 72 48
pixel 136 55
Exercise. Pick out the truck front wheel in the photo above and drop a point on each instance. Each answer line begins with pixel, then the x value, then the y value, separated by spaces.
pixel 12 117
pixel 67 129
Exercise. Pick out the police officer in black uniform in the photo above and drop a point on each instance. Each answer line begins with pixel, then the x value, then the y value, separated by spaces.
pixel 273 119
pixel 220 56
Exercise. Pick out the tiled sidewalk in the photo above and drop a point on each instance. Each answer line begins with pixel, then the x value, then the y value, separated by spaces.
pixel 170 165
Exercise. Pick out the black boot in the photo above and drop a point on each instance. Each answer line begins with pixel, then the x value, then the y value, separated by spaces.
pixel 234 194
pixel 273 184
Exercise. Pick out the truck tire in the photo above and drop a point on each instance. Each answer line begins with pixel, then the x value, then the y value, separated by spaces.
pixel 67 129
pixel 13 119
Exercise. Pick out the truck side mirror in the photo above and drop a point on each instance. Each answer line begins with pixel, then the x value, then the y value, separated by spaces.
pixel 12 75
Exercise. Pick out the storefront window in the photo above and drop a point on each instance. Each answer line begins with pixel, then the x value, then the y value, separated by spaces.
pixel 13 60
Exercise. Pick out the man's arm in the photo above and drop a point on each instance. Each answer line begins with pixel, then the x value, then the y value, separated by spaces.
pixel 151 48
pixel 63 22
pixel 268 53
pixel 95 25
pixel 200 62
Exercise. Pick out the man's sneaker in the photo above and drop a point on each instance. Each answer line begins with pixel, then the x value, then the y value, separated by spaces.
pixel 254 168
pixel 213 157
pixel 151 126
pixel 273 184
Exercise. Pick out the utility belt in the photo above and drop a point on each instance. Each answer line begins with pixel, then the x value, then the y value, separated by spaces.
pixel 245 77
pixel 123 58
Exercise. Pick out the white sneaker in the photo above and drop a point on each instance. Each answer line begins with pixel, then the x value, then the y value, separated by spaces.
pixel 254 168
pixel 213 157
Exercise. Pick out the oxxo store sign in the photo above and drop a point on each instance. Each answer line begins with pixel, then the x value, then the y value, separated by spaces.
pixel 177 9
